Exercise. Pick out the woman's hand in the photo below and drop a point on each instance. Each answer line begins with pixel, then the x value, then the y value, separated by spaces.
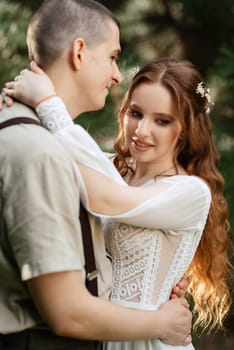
pixel 30 86
pixel 5 99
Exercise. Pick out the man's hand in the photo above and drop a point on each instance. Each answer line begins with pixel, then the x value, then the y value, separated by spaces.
pixel 180 289
pixel 177 322
pixel 30 86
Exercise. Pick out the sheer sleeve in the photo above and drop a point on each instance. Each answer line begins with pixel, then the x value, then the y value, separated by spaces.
pixel 174 205
pixel 82 147
pixel 182 206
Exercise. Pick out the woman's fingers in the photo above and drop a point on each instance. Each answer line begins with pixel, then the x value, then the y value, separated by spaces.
pixel 4 99
pixel 1 100
pixel 9 101
pixel 35 68
pixel 29 86
pixel 9 85
pixel 23 71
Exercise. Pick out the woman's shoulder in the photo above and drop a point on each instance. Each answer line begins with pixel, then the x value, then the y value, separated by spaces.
pixel 189 183
pixel 184 178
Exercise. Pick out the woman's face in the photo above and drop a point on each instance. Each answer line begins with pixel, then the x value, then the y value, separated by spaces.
pixel 151 125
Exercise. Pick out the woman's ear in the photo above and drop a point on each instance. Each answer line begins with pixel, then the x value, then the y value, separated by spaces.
pixel 77 50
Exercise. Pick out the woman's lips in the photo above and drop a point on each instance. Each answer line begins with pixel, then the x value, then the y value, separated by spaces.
pixel 142 146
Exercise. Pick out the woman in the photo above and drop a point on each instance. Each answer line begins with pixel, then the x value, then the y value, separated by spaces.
pixel 164 147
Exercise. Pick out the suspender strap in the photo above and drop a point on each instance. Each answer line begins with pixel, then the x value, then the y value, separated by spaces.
pixel 19 120
pixel 90 266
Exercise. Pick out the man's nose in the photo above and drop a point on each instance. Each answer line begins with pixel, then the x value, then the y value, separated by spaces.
pixel 116 77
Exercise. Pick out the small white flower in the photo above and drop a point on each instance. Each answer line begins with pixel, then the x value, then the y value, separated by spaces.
pixel 204 92
pixel 200 89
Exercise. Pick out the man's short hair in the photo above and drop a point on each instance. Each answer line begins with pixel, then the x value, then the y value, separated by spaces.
pixel 57 23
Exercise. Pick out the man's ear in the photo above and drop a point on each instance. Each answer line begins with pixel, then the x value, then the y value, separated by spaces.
pixel 77 50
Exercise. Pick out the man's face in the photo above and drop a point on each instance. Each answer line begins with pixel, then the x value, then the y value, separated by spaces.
pixel 100 70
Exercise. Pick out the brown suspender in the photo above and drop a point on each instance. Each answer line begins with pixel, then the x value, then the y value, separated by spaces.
pixel 19 120
pixel 90 266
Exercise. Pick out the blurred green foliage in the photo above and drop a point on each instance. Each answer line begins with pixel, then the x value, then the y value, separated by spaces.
pixel 198 30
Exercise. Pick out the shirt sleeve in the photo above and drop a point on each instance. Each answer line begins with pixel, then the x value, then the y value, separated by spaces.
pixel 44 229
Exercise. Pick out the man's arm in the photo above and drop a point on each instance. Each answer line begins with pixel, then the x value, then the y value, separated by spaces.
pixel 69 309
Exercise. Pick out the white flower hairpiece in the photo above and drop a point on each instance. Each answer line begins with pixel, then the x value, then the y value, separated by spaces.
pixel 204 92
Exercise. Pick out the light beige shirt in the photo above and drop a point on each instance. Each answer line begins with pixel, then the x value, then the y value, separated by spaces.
pixel 39 227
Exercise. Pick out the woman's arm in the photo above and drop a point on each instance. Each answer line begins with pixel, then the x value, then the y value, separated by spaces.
pixel 164 205
pixel 104 191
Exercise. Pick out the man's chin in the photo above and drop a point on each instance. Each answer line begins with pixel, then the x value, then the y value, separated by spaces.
pixel 100 105
pixel 96 107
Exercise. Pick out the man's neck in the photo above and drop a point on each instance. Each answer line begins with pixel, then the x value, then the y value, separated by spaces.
pixel 66 90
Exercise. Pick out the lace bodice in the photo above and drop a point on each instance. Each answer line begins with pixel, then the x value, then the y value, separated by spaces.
pixel 147 263
pixel 152 244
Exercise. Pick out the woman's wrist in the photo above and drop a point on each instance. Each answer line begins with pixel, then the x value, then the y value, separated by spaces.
pixel 53 113
pixel 42 100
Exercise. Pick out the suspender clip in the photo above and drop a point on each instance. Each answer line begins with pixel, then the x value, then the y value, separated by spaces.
pixel 92 275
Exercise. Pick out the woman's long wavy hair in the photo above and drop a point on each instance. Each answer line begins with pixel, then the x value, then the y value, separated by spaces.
pixel 209 271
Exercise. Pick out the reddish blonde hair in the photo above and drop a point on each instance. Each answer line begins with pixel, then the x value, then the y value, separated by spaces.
pixel 196 152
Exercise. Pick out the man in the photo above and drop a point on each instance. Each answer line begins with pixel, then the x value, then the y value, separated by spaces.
pixel 41 253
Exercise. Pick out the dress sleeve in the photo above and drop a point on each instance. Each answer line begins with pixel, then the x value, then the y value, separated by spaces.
pixel 82 147
pixel 172 205
pixel 180 206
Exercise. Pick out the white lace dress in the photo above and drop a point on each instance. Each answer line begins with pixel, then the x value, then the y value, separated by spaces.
pixel 152 244
pixel 148 262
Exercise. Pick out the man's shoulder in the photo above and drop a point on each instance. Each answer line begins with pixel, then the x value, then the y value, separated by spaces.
pixel 29 139
pixel 17 110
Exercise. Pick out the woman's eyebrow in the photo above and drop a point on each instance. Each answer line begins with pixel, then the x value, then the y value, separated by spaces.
pixel 156 114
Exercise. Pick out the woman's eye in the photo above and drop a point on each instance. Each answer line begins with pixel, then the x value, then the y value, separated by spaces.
pixel 134 113
pixel 162 122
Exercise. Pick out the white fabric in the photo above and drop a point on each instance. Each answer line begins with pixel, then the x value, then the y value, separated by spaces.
pixel 151 245
pixel 144 257
pixel 55 117
pixel 145 345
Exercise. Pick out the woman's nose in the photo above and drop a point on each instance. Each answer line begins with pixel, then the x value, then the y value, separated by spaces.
pixel 143 128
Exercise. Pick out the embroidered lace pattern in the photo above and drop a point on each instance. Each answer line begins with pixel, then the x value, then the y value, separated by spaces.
pixel 53 114
pixel 146 263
